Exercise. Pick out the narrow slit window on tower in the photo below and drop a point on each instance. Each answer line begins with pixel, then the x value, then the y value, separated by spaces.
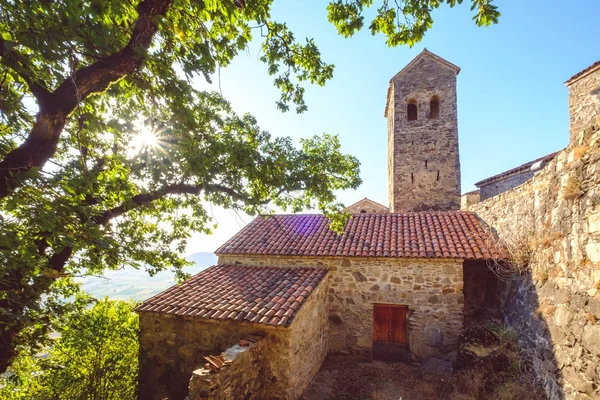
pixel 434 108
pixel 438 176
pixel 412 177
pixel 411 110
pixel 425 163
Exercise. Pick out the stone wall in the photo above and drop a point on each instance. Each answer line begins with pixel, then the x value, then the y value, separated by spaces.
pixel 469 199
pixel 584 101
pixel 554 219
pixel 172 347
pixel 242 377
pixel 432 289
pixel 503 184
pixel 308 341
pixel 423 159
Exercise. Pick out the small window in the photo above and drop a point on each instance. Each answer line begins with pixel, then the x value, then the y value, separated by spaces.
pixel 434 108
pixel 425 163
pixel 363 211
pixel 412 177
pixel 411 110
pixel 438 176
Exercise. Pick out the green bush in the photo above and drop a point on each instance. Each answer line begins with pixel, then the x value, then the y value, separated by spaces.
pixel 93 357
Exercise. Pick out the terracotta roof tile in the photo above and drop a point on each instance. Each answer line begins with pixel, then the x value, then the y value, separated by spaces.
pixel 448 234
pixel 240 293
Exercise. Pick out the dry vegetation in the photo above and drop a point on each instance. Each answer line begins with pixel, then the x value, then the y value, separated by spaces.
pixel 345 378
pixel 572 189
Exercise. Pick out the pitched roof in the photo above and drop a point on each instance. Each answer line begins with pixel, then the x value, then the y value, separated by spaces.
pixel 595 66
pixel 265 295
pixel 419 57
pixel 448 234
pixel 516 170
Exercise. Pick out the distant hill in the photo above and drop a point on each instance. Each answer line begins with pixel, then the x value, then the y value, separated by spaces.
pixel 137 284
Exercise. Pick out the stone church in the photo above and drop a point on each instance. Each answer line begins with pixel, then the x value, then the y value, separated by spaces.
pixel 398 284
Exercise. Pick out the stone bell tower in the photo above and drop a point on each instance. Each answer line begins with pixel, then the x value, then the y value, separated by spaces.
pixel 423 160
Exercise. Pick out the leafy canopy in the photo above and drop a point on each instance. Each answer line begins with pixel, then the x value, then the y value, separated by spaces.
pixel 109 152
pixel 95 357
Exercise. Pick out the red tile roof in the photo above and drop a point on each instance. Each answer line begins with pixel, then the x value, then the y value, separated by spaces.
pixel 265 295
pixel 448 234
pixel 583 73
pixel 520 168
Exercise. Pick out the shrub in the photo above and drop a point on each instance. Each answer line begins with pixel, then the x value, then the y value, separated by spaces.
pixel 94 357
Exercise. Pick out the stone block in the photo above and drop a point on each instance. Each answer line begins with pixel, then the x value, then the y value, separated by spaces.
pixel 575 380
pixel 433 337
pixel 563 316
pixel 593 307
pixel 591 339
pixel 592 249
pixel 594 223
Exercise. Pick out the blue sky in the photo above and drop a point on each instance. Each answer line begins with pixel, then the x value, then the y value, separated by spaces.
pixel 512 102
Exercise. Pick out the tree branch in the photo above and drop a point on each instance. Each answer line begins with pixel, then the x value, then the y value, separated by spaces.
pixel 145 198
pixel 20 64
pixel 42 141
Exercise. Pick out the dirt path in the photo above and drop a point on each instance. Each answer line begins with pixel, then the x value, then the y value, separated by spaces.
pixel 341 378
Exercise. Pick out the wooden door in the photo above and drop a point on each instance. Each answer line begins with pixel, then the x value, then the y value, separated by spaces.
pixel 390 332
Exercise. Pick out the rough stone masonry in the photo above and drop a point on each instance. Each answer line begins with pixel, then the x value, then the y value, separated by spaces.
pixel 423 158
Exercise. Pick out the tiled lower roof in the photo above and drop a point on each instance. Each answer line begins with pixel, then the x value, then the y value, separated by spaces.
pixel 448 234
pixel 265 295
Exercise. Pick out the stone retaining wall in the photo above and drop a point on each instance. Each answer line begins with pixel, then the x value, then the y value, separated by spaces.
pixel 555 306
pixel 432 289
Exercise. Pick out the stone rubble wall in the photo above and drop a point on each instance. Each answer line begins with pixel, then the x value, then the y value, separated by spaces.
pixel 432 289
pixel 172 347
pixel 423 160
pixel 584 102
pixel 555 305
pixel 308 341
pixel 469 199
pixel 242 377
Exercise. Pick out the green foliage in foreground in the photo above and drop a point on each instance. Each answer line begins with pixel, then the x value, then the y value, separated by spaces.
pixel 95 357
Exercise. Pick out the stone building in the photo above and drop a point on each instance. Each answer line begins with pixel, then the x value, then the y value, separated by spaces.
pixel 555 307
pixel 584 105
pixel 393 286
pixel 366 206
pixel 494 185
pixel 221 305
pixel 584 97
pixel 423 159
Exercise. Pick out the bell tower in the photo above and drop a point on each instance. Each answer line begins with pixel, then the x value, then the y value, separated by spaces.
pixel 423 159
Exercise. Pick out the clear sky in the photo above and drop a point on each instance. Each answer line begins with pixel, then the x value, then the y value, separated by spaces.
pixel 512 102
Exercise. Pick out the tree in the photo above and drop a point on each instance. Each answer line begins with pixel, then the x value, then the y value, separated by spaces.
pixel 115 166
pixel 95 357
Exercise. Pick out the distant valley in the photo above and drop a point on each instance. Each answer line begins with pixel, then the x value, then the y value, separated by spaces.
pixel 137 285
